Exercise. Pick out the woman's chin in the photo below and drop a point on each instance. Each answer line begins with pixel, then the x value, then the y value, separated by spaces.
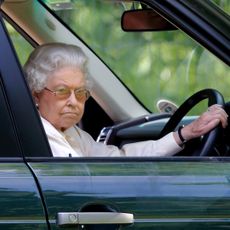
pixel 68 123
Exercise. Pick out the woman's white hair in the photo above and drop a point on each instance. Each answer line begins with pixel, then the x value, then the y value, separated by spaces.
pixel 50 57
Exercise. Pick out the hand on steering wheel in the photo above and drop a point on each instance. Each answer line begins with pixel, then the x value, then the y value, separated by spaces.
pixel 208 140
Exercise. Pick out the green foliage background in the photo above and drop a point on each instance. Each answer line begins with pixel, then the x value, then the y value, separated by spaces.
pixel 154 65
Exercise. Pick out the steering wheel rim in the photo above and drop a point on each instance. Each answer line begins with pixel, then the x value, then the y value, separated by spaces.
pixel 214 97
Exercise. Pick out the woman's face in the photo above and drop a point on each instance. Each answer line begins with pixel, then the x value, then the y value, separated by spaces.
pixel 62 112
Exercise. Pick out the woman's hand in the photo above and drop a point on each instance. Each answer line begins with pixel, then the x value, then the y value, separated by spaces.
pixel 205 123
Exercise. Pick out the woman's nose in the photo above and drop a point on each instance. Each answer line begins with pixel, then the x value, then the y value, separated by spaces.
pixel 72 98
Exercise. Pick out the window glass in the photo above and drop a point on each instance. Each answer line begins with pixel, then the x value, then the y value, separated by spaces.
pixel 153 65
pixel 22 47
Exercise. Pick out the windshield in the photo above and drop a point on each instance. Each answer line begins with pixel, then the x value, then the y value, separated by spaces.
pixel 153 65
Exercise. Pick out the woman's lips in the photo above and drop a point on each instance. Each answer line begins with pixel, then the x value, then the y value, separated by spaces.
pixel 70 114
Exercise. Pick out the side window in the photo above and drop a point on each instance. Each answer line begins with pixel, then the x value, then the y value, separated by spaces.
pixel 8 143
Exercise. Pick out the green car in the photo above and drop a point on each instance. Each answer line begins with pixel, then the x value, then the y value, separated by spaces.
pixel 155 65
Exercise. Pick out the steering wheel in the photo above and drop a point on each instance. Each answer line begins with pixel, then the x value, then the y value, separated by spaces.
pixel 208 141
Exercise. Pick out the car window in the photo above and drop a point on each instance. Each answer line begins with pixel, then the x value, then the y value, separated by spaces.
pixel 153 65
pixel 159 62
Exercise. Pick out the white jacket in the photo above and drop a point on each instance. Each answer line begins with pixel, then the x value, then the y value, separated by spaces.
pixel 75 142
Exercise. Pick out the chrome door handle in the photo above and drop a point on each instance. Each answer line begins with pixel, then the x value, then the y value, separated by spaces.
pixel 75 218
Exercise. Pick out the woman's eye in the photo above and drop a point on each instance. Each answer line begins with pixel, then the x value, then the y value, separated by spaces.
pixel 63 91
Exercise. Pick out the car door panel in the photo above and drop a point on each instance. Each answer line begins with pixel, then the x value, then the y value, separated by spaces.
pixel 158 193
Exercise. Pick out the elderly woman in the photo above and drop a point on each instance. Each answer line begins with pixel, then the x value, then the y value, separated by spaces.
pixel 57 76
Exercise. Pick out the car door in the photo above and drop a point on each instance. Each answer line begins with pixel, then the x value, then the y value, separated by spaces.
pixel 160 194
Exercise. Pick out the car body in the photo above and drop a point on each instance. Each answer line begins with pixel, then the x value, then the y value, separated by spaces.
pixel 39 191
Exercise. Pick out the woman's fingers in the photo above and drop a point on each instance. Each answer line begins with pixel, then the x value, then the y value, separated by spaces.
pixel 217 112
pixel 206 122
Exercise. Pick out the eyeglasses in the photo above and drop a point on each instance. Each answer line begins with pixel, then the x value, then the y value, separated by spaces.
pixel 81 94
